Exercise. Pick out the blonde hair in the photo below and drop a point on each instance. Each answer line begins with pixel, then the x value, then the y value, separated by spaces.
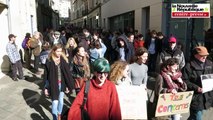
pixel 52 53
pixel 39 34
pixel 116 71
pixel 68 43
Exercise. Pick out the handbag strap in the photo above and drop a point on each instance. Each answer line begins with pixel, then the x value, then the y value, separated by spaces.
pixel 86 90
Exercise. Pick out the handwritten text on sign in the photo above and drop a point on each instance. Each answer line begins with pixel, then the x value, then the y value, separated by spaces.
pixel 169 103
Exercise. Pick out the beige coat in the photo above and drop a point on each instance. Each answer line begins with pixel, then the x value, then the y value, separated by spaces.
pixel 34 45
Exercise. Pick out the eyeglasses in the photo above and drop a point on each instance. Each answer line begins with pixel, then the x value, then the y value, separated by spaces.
pixel 171 42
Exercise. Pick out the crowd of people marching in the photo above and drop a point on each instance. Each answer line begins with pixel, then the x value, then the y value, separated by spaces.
pixel 98 61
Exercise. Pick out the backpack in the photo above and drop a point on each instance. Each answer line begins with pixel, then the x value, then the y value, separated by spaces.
pixel 29 42
pixel 24 43
pixel 84 114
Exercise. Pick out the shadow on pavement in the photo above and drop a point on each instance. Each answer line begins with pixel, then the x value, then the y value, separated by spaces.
pixel 37 102
pixel 35 116
pixel 5 65
pixel 66 107
pixel 37 80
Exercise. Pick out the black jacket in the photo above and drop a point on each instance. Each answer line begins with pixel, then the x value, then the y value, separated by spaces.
pixel 52 77
pixel 148 42
pixel 191 75
pixel 175 53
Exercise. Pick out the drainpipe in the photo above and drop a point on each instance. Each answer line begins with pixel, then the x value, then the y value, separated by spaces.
pixel 9 17
pixel 31 23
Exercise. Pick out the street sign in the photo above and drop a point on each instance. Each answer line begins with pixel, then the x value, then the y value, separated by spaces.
pixel 182 10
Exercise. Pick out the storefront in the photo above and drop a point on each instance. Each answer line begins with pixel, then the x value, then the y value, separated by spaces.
pixel 122 21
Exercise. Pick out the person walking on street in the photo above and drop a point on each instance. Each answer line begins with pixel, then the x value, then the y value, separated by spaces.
pixel 173 82
pixel 80 68
pixel 35 44
pixel 70 47
pixel 57 39
pixel 14 57
pixel 138 70
pixel 63 38
pixel 59 79
pixel 130 47
pixel 119 73
pixel 171 52
pixel 27 50
pixel 198 65
pixel 139 41
pixel 97 50
pixel 102 102
pixel 151 44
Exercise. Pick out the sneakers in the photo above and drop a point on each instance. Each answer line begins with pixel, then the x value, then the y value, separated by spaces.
pixel 15 79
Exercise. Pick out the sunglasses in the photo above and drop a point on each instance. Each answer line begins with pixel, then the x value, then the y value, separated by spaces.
pixel 102 72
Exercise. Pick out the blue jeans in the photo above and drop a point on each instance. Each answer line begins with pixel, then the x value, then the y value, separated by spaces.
pixel 176 117
pixel 57 105
pixel 195 115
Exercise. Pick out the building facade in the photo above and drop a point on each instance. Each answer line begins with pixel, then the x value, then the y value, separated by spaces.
pixel 117 14
pixel 140 15
pixel 86 13
pixel 18 17
pixel 47 14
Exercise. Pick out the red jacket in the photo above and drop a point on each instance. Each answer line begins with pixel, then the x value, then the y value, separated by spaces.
pixel 102 103
pixel 138 43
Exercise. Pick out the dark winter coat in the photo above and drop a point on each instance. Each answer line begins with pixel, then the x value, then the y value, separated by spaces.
pixel 148 43
pixel 191 75
pixel 169 53
pixel 52 77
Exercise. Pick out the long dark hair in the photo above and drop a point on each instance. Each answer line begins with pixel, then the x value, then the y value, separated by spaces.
pixel 27 35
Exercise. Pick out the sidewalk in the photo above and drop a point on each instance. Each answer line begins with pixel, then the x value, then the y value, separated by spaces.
pixel 23 99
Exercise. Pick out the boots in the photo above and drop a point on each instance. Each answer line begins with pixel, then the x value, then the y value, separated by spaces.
pixel 59 116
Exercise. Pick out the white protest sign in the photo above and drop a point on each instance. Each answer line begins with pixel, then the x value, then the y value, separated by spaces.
pixel 132 102
pixel 169 104
pixel 207 82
